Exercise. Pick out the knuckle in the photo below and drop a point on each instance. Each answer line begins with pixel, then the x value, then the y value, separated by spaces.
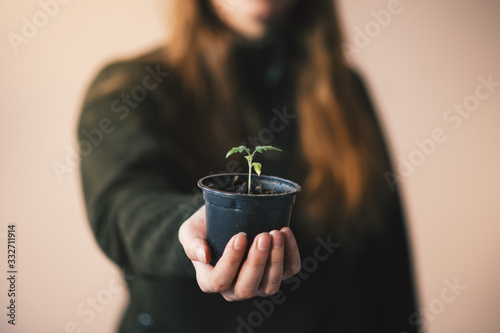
pixel 272 289
pixel 244 293
pixel 218 285
pixel 256 262
pixel 203 287
pixel 277 260
pixel 233 258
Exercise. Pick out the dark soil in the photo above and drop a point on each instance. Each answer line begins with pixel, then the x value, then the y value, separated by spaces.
pixel 240 186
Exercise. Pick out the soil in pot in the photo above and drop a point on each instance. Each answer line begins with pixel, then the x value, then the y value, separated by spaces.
pixel 239 185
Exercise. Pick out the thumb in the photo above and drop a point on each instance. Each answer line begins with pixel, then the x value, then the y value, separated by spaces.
pixel 192 237
pixel 199 251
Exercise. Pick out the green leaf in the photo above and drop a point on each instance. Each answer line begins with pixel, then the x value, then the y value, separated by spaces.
pixel 265 148
pixel 257 167
pixel 239 149
pixel 231 152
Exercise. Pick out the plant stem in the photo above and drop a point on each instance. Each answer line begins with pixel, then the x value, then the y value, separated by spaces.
pixel 250 158
pixel 249 177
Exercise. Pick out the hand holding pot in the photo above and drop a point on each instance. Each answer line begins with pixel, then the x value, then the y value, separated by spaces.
pixel 272 257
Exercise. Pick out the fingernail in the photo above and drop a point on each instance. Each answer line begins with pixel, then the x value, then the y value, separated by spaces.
pixel 200 254
pixel 263 243
pixel 286 232
pixel 277 239
pixel 239 242
pixel 284 229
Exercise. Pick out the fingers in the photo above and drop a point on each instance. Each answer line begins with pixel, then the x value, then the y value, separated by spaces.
pixel 291 265
pixel 220 278
pixel 271 280
pixel 273 257
pixel 252 270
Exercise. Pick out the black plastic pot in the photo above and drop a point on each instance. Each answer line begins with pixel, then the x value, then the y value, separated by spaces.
pixel 230 213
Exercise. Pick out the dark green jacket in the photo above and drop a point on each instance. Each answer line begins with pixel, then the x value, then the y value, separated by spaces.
pixel 139 187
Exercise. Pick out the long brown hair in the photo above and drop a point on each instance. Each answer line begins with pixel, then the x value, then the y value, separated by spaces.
pixel 339 142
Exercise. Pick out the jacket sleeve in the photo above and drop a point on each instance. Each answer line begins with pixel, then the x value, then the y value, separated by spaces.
pixel 130 176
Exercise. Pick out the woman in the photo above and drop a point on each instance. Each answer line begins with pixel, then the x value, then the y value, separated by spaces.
pixel 258 72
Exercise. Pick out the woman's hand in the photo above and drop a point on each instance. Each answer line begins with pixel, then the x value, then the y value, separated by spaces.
pixel 273 257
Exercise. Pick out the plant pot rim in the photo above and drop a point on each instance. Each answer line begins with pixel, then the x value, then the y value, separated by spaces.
pixel 295 187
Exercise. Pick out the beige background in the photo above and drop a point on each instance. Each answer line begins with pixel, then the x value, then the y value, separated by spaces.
pixel 425 60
